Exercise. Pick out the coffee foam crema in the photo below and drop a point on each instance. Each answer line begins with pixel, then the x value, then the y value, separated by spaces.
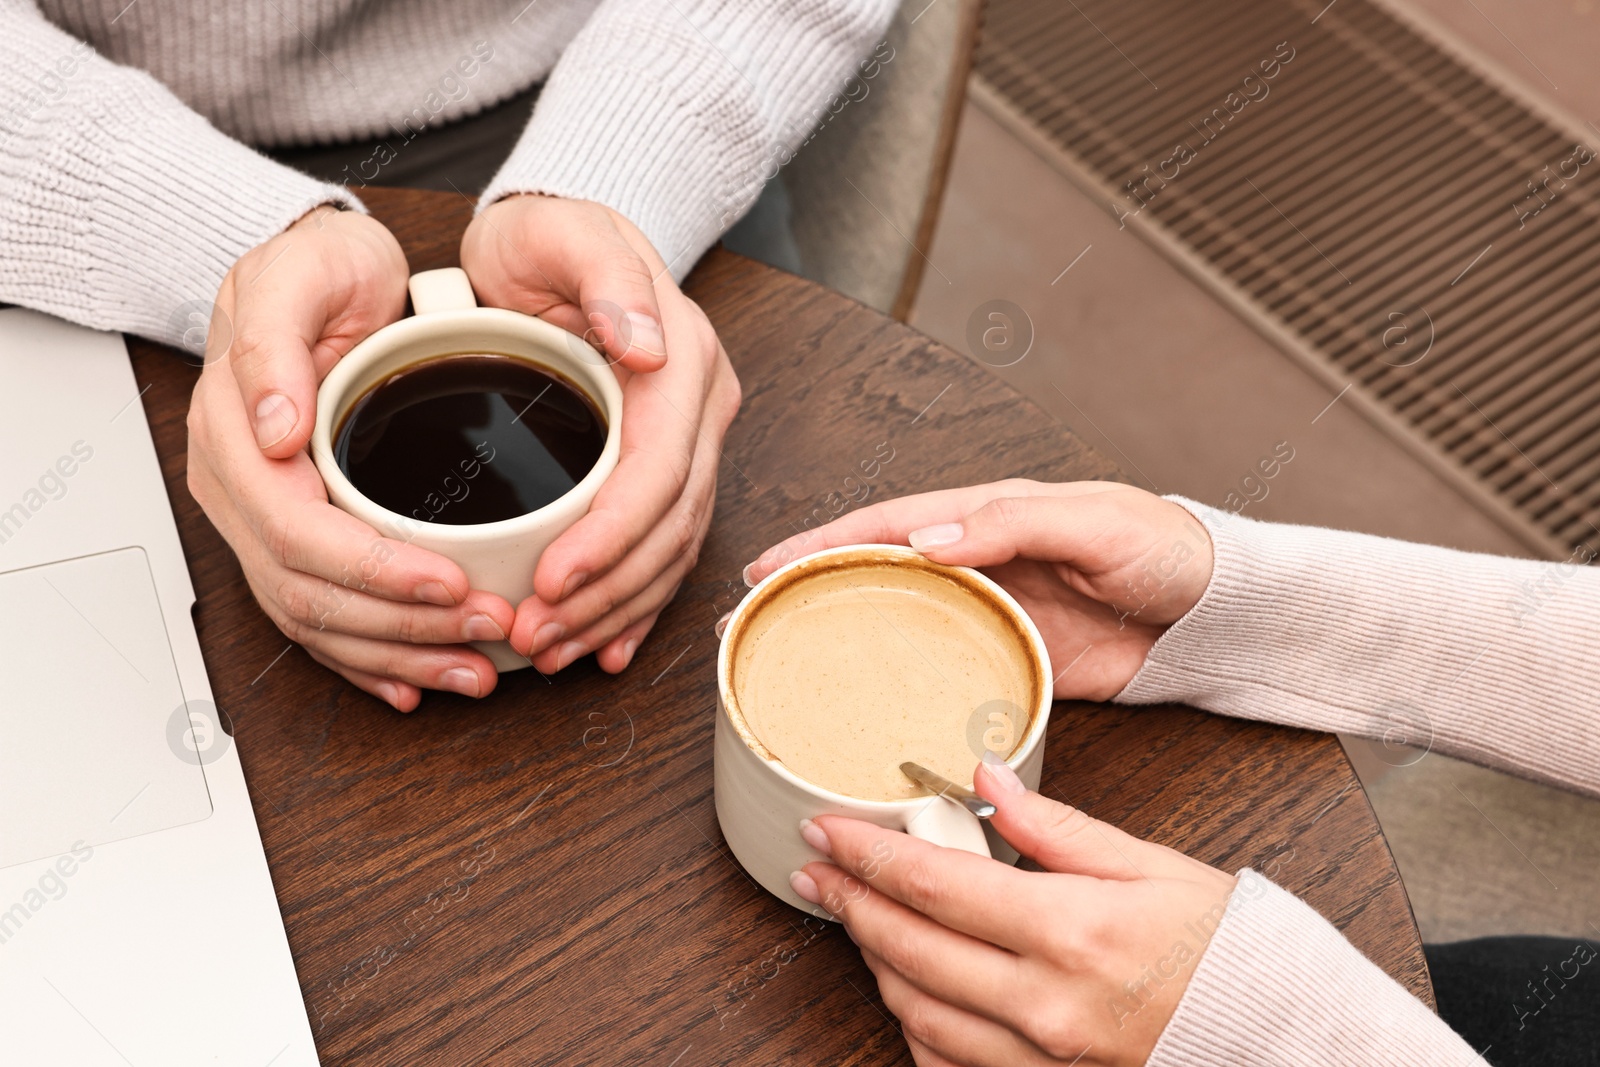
pixel 846 668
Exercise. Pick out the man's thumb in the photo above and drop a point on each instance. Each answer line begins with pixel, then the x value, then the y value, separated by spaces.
pixel 279 386
pixel 620 312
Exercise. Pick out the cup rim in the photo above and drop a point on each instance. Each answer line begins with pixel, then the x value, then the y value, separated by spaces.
pixel 525 327
pixel 1040 713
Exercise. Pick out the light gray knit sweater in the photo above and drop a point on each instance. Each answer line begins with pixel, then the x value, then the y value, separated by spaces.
pixel 126 193
pixel 1489 659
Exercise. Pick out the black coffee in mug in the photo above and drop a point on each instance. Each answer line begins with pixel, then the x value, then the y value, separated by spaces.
pixel 469 439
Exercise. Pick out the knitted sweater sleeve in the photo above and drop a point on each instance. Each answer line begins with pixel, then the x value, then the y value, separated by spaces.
pixel 1278 986
pixel 120 208
pixel 1490 659
pixel 674 114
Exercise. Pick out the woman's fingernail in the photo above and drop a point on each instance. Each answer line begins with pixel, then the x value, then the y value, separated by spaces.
pixel 749 582
pixel 547 635
pixel 805 887
pixel 722 625
pixel 389 693
pixel 816 837
pixel 576 579
pixel 276 415
pixel 936 536
pixel 1001 772
pixel 482 628
pixel 435 593
pixel 644 333
pixel 567 653
pixel 461 680
pixel 629 649
pixel 946 533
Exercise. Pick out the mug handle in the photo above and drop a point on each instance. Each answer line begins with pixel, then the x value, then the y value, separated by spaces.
pixel 944 822
pixel 446 289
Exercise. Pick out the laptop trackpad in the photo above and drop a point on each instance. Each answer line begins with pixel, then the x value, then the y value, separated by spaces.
pixel 88 697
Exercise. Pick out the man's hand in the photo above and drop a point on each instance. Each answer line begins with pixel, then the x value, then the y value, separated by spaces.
pixel 989 966
pixel 387 615
pixel 1102 569
pixel 585 268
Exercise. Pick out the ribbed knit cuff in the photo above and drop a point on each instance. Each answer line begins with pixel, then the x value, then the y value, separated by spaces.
pixel 1280 987
pixel 121 208
pixel 1483 657
pixel 675 115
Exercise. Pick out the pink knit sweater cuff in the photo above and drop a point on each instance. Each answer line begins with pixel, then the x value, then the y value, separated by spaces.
pixel 1278 986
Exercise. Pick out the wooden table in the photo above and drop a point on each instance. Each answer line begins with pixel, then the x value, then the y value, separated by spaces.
pixel 539 878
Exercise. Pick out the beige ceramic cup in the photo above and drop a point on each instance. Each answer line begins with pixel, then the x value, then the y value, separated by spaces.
pixel 499 557
pixel 760 801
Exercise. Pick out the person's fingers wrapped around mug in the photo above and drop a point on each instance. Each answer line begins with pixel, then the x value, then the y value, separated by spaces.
pixel 386 614
pixel 984 964
pixel 1102 568
pixel 585 268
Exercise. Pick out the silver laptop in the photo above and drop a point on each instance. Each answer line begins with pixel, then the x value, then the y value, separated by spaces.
pixel 137 918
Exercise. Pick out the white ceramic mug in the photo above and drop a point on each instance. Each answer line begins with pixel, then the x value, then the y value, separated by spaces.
pixel 499 557
pixel 760 802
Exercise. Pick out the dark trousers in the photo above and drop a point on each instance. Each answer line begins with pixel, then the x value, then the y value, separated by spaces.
pixel 457 157
pixel 1522 1000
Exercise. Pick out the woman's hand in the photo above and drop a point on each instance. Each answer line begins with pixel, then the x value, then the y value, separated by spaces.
pixel 585 268
pixel 1102 569
pixel 387 615
pixel 989 966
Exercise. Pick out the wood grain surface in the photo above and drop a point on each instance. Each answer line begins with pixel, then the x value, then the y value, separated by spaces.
pixel 538 877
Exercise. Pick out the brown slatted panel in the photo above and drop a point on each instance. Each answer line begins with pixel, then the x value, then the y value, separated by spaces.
pixel 1374 171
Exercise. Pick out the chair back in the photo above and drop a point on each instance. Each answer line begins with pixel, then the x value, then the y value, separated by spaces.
pixel 864 192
